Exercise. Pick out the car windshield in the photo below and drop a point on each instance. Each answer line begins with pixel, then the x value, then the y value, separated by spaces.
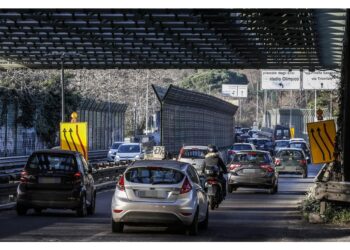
pixel 194 153
pixel 241 147
pixel 297 145
pixel 129 148
pixel 290 154
pixel 51 162
pixel 282 144
pixel 252 157
pixel 116 145
pixel 261 142
pixel 154 175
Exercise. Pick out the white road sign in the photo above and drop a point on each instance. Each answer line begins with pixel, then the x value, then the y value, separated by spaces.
pixel 234 90
pixel 280 79
pixel 328 79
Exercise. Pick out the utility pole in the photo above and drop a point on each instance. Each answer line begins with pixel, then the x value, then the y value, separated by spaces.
pixel 257 103
pixel 290 108
pixel 147 102
pixel 315 119
pixel 62 88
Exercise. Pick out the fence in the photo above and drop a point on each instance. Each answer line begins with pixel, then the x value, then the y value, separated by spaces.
pixel 191 118
pixel 299 118
pixel 105 121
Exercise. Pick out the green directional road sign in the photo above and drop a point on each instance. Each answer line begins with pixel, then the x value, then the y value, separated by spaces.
pixel 322 139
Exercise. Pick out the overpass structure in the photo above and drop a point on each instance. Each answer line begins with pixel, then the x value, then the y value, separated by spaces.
pixel 182 38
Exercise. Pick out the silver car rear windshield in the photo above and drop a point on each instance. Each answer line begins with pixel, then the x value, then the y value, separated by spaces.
pixel 51 162
pixel 194 153
pixel 154 175
pixel 252 157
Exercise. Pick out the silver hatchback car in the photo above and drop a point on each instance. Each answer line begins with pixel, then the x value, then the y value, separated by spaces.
pixel 160 193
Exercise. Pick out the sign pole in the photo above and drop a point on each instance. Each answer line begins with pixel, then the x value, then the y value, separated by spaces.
pixel 62 88
pixel 315 116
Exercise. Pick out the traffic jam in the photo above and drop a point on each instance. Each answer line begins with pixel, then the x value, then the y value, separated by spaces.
pixel 153 124
pixel 177 191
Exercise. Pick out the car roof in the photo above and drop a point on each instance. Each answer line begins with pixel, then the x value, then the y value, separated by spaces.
pixel 131 143
pixel 282 140
pixel 55 151
pixel 295 149
pixel 158 163
pixel 195 147
pixel 243 143
pixel 257 151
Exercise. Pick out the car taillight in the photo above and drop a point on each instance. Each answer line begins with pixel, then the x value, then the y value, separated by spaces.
pixel 231 152
pixel 234 166
pixel 268 168
pixel 302 162
pixel 24 177
pixel 186 187
pixel 212 181
pixel 121 185
pixel 277 162
pixel 77 177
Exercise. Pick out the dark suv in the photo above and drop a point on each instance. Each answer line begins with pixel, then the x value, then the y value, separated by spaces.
pixel 56 179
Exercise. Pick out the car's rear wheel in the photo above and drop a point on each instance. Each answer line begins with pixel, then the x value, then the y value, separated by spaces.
pixel 82 209
pixel 117 227
pixel 231 188
pixel 273 189
pixel 91 208
pixel 305 174
pixel 38 210
pixel 212 202
pixel 193 228
pixel 204 224
pixel 21 210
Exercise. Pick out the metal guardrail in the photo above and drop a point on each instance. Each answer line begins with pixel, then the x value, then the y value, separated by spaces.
pixel 19 161
pixel 106 172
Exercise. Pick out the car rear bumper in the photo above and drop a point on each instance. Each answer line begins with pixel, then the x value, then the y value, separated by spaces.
pixel 258 182
pixel 131 212
pixel 290 170
pixel 73 204
pixel 48 199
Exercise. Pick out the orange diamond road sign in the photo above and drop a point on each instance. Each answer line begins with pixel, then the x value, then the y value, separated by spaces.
pixel 73 136
pixel 322 139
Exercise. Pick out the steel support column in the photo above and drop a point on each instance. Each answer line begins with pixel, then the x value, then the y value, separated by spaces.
pixel 346 100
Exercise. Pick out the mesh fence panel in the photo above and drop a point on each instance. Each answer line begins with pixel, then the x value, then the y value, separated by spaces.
pixel 15 140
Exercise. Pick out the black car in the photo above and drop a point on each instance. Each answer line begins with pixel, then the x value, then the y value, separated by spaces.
pixel 302 145
pixel 56 179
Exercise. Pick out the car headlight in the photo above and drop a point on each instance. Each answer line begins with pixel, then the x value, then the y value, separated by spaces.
pixel 110 152
pixel 117 158
pixel 137 157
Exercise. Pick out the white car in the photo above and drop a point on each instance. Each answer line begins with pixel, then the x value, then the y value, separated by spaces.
pixel 162 193
pixel 128 152
pixel 194 155
pixel 297 140
pixel 113 150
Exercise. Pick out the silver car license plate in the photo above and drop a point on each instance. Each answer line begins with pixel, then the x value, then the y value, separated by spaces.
pixel 249 171
pixel 152 194
pixel 49 180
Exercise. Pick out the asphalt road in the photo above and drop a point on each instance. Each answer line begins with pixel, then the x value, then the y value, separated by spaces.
pixel 246 215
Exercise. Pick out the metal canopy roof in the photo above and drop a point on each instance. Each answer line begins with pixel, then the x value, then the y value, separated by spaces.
pixel 173 38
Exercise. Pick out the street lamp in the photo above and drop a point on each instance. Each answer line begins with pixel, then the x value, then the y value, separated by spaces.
pixel 62 56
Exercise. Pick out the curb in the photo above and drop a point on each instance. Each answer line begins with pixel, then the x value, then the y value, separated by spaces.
pixel 99 187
